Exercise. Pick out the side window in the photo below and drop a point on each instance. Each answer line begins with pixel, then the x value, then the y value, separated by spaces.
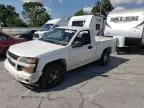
pixel 97 26
pixel 84 37
pixel 2 37
pixel 78 23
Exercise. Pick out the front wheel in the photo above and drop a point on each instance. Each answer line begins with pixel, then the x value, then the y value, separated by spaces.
pixel 105 58
pixel 53 75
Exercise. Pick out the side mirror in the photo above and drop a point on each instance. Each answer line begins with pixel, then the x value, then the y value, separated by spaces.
pixel 77 44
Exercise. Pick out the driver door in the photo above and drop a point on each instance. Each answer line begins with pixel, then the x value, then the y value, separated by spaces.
pixel 83 54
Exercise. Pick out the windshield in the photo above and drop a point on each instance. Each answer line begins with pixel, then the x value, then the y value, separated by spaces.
pixel 46 27
pixel 2 37
pixel 58 36
pixel 26 32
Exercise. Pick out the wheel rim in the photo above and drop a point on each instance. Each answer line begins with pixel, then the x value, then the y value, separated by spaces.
pixel 106 58
pixel 54 77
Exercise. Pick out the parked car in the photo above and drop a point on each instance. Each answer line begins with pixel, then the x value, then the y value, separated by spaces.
pixel 6 41
pixel 28 35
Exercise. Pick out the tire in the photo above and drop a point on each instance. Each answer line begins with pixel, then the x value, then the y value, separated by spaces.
pixel 118 51
pixel 52 76
pixel 104 58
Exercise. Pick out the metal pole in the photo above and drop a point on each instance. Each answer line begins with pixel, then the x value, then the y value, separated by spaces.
pixel 100 7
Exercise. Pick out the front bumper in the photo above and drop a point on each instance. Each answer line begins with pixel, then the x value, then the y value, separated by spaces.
pixel 20 75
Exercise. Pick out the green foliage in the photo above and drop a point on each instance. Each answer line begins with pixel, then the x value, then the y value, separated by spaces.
pixel 103 6
pixel 79 13
pixel 96 8
pixel 35 14
pixel 16 22
pixel 9 17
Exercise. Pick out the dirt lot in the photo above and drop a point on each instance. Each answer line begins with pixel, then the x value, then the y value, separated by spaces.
pixel 120 84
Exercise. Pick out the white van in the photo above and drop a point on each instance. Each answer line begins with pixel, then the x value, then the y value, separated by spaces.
pixel 49 26
pixel 96 23
pixel 127 26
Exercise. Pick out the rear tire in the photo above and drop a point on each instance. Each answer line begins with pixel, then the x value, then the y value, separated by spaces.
pixel 52 76
pixel 118 50
pixel 105 58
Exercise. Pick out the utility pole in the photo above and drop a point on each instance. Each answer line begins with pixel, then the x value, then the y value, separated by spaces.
pixel 100 7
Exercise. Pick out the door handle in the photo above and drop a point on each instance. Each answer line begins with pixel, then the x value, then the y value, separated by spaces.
pixel 90 47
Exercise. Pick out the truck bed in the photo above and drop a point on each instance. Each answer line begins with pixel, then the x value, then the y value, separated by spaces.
pixel 103 38
pixel 104 42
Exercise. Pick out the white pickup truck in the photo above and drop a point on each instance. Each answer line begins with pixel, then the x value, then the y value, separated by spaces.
pixel 44 62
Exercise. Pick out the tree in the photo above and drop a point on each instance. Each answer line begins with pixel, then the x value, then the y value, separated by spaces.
pixel 96 8
pixel 35 14
pixel 80 12
pixel 9 17
pixel 103 7
pixel 16 22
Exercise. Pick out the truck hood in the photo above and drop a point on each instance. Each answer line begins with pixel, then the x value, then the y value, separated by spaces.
pixel 34 48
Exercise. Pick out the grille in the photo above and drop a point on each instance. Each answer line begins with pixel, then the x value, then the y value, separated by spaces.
pixel 13 64
pixel 13 56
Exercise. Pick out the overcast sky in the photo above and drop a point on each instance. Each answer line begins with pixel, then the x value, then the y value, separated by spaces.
pixel 61 8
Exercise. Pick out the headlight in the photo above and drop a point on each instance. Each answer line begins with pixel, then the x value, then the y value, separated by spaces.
pixel 29 60
pixel 26 69
pixel 32 64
